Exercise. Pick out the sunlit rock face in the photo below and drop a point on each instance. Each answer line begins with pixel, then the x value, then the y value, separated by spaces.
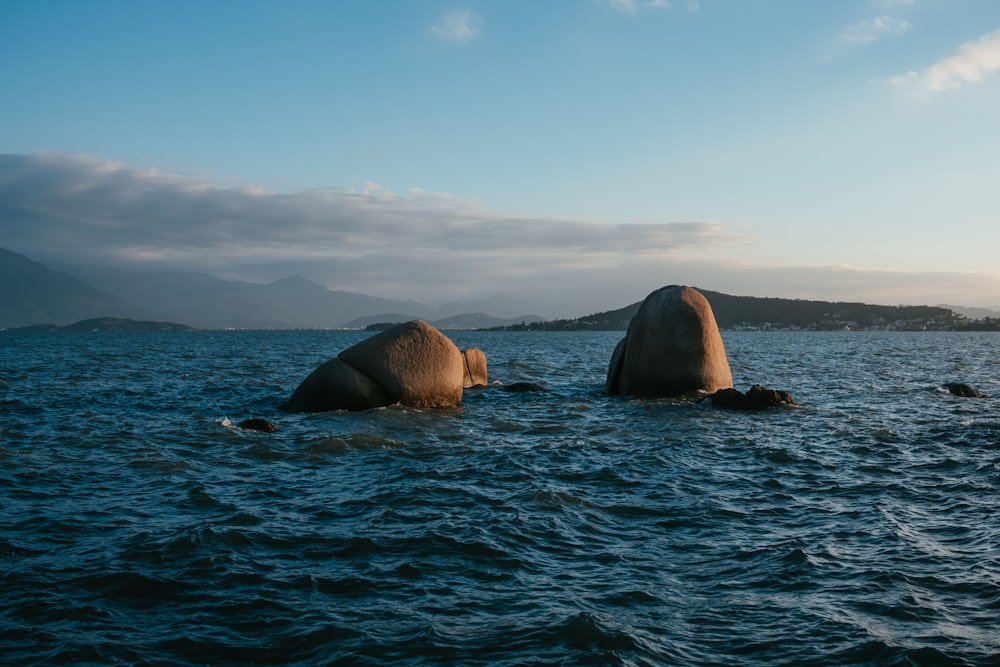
pixel 672 347
pixel 412 364
pixel 475 367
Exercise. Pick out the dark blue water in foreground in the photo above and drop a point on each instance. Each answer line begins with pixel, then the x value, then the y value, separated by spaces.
pixel 138 526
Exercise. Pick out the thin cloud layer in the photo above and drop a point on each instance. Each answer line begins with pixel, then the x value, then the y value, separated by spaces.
pixel 459 26
pixel 81 209
pixel 872 29
pixel 971 63
pixel 625 6
pixel 633 6
pixel 70 209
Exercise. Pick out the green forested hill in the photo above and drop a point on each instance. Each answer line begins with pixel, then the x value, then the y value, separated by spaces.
pixel 734 312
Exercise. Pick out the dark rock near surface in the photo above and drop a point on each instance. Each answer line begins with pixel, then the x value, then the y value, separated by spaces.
pixel 963 390
pixel 258 424
pixel 756 398
pixel 519 387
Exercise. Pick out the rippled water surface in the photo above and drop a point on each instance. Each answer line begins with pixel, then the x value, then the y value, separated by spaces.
pixel 564 527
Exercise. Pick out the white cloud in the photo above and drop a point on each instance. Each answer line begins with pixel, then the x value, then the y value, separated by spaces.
pixel 459 26
pixel 869 30
pixel 625 6
pixel 69 210
pixel 82 210
pixel 633 6
pixel 970 63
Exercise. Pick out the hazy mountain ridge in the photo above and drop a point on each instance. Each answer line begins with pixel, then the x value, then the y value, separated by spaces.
pixel 499 306
pixel 462 321
pixel 205 301
pixel 33 294
pixel 971 312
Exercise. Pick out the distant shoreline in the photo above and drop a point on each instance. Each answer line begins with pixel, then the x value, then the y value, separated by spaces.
pixel 118 325
pixel 108 324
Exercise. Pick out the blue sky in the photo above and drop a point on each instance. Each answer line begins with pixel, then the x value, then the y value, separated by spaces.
pixel 587 151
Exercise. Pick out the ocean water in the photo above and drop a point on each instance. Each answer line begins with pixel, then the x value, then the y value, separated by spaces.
pixel 138 525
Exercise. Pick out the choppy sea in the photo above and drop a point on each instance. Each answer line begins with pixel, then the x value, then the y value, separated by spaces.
pixel 140 526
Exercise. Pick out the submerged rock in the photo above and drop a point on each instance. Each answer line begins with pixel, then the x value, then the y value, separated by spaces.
pixel 756 398
pixel 673 346
pixel 257 424
pixel 963 390
pixel 522 387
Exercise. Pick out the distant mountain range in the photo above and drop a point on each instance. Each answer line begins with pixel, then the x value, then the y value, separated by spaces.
pixel 34 294
pixel 31 293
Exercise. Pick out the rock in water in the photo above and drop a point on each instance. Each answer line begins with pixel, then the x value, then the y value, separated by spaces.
pixel 757 398
pixel 412 364
pixel 475 368
pixel 258 424
pixel 337 386
pixel 766 397
pixel 672 347
pixel 522 387
pixel 963 390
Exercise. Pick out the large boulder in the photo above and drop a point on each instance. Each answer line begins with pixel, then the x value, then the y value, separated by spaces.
pixel 672 347
pixel 475 368
pixel 411 364
pixel 337 386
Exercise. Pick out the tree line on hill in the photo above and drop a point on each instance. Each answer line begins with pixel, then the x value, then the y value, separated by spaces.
pixel 763 313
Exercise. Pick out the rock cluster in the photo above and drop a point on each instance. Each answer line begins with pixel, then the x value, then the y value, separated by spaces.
pixel 756 398
pixel 672 348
